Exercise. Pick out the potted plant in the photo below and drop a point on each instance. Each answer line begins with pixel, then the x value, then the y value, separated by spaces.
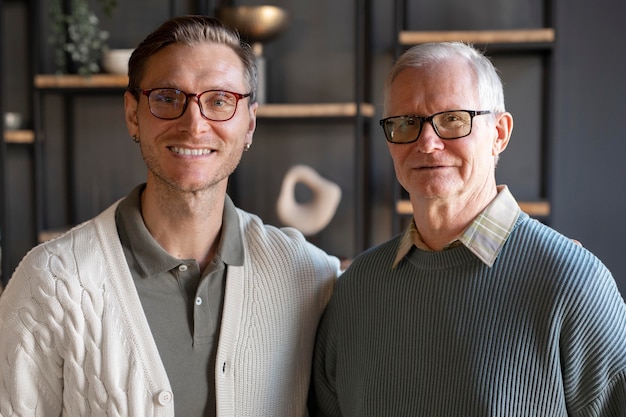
pixel 77 36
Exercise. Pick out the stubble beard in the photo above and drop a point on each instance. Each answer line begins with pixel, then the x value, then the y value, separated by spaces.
pixel 166 182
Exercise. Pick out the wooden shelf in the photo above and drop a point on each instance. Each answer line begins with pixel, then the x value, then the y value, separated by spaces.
pixel 80 81
pixel 516 36
pixel 19 136
pixel 314 110
pixel 533 208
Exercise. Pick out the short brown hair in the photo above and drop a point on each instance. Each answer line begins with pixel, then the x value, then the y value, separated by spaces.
pixel 190 30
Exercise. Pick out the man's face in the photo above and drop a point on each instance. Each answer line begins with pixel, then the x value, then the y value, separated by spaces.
pixel 433 168
pixel 191 153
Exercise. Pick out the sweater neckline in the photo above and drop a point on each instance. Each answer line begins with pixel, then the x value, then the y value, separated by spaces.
pixel 454 256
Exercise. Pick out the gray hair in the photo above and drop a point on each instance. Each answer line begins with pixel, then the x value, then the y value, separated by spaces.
pixel 489 85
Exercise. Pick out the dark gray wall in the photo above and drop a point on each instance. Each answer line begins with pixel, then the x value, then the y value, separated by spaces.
pixel 588 169
pixel 16 97
pixel 314 61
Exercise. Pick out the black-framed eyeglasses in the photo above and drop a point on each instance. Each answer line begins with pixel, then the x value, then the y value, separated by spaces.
pixel 171 103
pixel 451 124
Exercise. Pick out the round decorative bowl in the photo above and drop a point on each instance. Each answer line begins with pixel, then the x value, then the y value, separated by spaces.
pixel 256 23
pixel 115 61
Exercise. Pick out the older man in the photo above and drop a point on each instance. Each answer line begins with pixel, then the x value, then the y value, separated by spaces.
pixel 476 310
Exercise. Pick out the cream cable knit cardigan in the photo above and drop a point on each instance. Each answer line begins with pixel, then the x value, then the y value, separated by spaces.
pixel 74 340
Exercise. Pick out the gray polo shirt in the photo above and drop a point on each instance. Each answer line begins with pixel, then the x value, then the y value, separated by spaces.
pixel 183 304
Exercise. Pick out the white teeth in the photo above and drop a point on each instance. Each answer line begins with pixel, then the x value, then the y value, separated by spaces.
pixel 187 151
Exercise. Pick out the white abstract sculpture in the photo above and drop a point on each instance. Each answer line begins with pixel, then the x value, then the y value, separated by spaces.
pixel 314 215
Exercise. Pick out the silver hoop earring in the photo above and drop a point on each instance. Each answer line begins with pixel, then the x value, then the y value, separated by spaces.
pixel 135 139
pixel 247 146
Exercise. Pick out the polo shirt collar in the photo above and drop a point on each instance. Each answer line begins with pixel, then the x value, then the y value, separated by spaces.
pixel 151 258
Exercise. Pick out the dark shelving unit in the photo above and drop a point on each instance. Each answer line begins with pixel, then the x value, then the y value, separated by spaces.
pixel 68 89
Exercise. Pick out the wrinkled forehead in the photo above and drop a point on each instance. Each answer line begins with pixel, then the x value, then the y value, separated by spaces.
pixel 438 86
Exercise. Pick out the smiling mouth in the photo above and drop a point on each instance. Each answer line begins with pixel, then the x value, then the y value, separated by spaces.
pixel 190 152
pixel 431 167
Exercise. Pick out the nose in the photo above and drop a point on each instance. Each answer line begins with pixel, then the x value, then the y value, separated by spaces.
pixel 192 118
pixel 193 98
pixel 428 141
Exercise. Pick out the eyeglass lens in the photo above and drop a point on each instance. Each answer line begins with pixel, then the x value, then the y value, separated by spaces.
pixel 170 103
pixel 447 125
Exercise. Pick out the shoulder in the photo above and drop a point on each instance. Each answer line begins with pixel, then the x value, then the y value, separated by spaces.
pixel 258 235
pixel 251 223
pixel 385 251
pixel 63 257
pixel 550 248
pixel 285 245
pixel 370 267
pixel 54 276
pixel 559 265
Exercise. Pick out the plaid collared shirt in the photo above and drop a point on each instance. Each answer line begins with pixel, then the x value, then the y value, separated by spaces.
pixel 484 237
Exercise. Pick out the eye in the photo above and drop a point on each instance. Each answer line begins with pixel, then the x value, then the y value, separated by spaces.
pixel 165 96
pixel 451 120
pixel 406 124
pixel 219 102
pixel 449 117
pixel 217 99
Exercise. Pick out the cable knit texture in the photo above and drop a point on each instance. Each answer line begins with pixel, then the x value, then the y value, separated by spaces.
pixel 74 340
pixel 541 333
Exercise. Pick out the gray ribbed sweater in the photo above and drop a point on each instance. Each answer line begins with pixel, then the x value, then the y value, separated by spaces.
pixel 541 333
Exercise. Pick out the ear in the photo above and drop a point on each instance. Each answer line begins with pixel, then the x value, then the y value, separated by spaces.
pixel 130 111
pixel 252 124
pixel 504 127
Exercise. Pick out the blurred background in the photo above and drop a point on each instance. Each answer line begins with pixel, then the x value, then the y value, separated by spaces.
pixel 70 156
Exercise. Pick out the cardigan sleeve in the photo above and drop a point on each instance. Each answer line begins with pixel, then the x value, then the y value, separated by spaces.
pixel 30 359
pixel 69 340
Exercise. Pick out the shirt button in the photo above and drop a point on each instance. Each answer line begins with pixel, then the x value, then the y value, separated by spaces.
pixel 198 301
pixel 182 268
pixel 164 397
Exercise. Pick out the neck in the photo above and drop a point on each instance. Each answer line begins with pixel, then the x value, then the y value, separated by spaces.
pixel 186 224
pixel 442 220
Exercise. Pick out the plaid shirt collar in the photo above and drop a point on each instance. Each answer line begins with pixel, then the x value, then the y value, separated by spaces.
pixel 484 237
